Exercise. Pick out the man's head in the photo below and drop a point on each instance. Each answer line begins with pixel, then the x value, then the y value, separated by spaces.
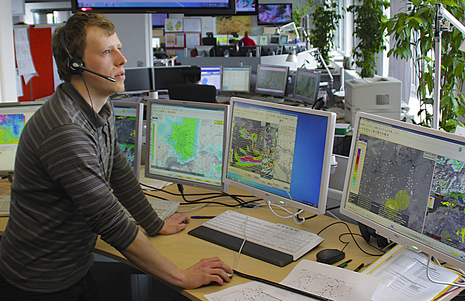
pixel 72 36
pixel 246 33
pixel 192 74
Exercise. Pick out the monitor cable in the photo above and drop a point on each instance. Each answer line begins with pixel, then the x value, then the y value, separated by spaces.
pixel 430 258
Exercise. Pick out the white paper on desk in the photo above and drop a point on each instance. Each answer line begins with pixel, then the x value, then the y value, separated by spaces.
pixel 23 55
pixel 403 277
pixel 331 282
pixel 154 184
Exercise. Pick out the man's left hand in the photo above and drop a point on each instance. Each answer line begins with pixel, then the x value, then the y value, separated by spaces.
pixel 174 224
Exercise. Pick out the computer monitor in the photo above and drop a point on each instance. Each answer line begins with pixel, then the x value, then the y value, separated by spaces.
pixel 406 182
pixel 138 80
pixel 185 142
pixel 272 80
pixel 248 50
pixel 236 79
pixel 268 50
pixel 274 39
pixel 168 75
pixel 307 85
pixel 129 118
pixel 211 75
pixel 228 50
pixel 204 50
pixel 13 118
pixel 280 153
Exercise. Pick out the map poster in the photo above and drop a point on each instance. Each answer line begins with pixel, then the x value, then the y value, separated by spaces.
pixel 239 24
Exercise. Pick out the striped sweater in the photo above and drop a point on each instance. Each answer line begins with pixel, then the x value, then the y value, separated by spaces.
pixel 68 179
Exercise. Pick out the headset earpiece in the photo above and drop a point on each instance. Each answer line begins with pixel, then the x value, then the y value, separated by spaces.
pixel 74 64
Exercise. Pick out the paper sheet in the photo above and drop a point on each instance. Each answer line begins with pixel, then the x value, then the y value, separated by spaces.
pixel 403 277
pixel 23 55
pixel 320 279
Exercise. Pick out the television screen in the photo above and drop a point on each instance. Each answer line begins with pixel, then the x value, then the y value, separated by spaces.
pixel 158 20
pixel 246 7
pixel 187 7
pixel 274 14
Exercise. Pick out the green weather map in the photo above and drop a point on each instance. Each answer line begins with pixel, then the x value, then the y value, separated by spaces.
pixel 11 126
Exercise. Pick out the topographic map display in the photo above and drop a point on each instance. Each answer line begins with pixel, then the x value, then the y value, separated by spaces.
pixel 263 148
pixel 126 128
pixel 11 126
pixel 271 80
pixel 193 146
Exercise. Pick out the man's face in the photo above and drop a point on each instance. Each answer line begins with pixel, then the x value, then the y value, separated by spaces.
pixel 103 55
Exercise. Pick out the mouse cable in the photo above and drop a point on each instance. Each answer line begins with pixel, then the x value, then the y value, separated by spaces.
pixel 351 234
pixel 384 250
pixel 281 286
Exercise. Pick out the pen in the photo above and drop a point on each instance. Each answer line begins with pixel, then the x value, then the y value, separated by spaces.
pixel 202 216
pixel 345 263
pixel 359 267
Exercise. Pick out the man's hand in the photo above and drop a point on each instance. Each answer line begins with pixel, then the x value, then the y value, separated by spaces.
pixel 175 224
pixel 205 271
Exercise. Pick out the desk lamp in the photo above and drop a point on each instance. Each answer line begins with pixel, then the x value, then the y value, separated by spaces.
pixel 441 13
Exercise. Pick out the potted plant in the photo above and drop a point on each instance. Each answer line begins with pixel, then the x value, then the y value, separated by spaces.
pixel 413 35
pixel 369 19
pixel 325 19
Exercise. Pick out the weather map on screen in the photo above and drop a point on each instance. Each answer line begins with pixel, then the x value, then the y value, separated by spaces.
pixel 11 126
pixel 126 126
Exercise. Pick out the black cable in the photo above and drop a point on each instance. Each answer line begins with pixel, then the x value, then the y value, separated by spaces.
pixel 351 234
pixel 332 208
pixel 356 234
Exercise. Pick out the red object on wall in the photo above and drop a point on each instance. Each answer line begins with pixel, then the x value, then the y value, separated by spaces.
pixel 40 41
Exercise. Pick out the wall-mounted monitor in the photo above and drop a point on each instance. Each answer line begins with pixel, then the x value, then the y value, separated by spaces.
pixel 272 80
pixel 307 85
pixel 158 20
pixel 405 181
pixel 280 153
pixel 211 75
pixel 138 80
pixel 129 118
pixel 186 7
pixel 246 7
pixel 13 118
pixel 185 142
pixel 168 75
pixel 236 78
pixel 274 13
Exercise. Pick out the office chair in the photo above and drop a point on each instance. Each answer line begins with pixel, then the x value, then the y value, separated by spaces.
pixel 193 92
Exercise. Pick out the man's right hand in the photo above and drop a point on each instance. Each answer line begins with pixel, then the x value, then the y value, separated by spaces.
pixel 206 271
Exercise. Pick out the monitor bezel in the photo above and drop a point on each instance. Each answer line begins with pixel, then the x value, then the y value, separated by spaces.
pixel 139 130
pixel 18 104
pixel 151 75
pixel 150 101
pixel 273 198
pixel 280 94
pixel 383 231
pixel 221 74
pixel 303 97
pixel 222 79
pixel 187 11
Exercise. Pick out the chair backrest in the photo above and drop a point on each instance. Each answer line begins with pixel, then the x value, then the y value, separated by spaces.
pixel 193 92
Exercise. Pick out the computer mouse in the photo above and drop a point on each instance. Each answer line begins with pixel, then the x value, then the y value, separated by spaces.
pixel 330 256
pixel 216 283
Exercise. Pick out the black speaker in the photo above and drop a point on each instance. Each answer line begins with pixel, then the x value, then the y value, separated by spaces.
pixel 368 232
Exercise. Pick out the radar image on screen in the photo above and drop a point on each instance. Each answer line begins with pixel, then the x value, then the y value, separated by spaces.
pixel 126 127
pixel 265 148
pixel 192 145
pixel 416 180
pixel 11 126
pixel 306 86
pixel 272 80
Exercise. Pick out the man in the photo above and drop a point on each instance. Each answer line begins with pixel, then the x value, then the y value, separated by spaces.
pixel 248 41
pixel 69 175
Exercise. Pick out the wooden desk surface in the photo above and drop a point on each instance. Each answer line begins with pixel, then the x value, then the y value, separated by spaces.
pixel 185 250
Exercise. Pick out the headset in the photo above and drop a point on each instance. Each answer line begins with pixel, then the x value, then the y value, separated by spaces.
pixel 75 65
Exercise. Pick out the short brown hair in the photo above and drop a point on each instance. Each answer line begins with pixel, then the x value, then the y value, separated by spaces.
pixel 73 34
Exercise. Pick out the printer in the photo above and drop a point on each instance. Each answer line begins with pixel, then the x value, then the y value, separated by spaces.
pixel 376 95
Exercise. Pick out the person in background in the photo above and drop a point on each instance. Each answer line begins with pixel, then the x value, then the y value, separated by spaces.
pixel 192 74
pixel 248 41
pixel 69 176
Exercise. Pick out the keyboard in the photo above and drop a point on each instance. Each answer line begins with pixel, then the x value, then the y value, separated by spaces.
pixel 274 243
pixel 163 208
pixel 4 205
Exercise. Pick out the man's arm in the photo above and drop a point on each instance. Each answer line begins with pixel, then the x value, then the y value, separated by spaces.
pixel 141 253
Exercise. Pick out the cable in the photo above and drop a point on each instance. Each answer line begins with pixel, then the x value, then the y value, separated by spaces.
pixel 439 282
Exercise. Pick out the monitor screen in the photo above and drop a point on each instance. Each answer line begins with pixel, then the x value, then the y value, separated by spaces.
pixel 307 85
pixel 280 153
pixel 185 142
pixel 13 118
pixel 138 80
pixel 170 75
pixel 406 182
pixel 236 79
pixel 158 20
pixel 272 80
pixel 274 39
pixel 246 7
pixel 211 75
pixel 128 122
pixel 187 7
pixel 274 14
